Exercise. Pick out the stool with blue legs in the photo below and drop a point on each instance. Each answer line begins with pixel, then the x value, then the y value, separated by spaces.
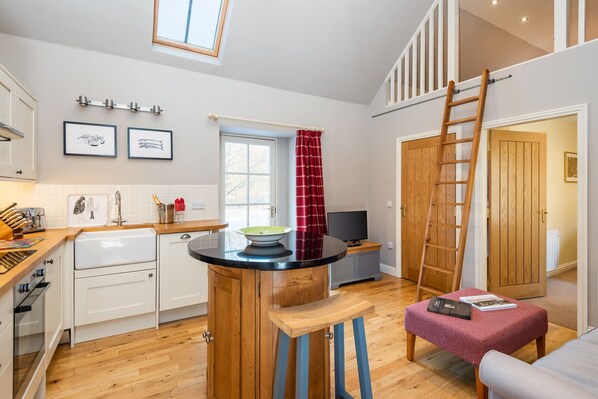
pixel 299 321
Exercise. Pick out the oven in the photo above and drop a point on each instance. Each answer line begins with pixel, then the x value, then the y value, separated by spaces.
pixel 29 329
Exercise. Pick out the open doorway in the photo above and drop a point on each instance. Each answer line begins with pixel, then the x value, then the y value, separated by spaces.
pixel 533 219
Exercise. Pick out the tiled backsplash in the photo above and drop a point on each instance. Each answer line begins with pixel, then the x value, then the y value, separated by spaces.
pixel 137 204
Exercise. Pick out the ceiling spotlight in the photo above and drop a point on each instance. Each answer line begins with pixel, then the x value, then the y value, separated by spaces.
pixel 524 19
pixel 83 101
pixel 494 2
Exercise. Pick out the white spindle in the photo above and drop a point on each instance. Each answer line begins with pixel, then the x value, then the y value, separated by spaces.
pixel 431 23
pixel 387 82
pixel 561 24
pixel 392 87
pixel 407 74
pixel 414 68
pixel 399 81
pixel 422 59
pixel 441 44
pixel 453 40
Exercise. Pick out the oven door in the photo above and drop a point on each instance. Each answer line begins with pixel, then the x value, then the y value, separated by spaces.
pixel 29 338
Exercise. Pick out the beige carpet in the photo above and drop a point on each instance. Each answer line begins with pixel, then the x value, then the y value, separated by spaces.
pixel 561 299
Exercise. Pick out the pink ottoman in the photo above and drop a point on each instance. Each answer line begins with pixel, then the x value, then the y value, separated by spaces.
pixel 502 330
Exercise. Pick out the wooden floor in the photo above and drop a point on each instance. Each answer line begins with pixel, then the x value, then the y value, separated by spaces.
pixel 171 362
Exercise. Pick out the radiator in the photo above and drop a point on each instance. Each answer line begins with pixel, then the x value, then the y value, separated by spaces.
pixel 552 249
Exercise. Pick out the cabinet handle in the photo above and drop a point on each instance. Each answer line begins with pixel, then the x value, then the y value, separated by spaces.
pixel 19 172
pixel 329 335
pixel 151 275
pixel 207 336
pixel 185 236
pixel 50 261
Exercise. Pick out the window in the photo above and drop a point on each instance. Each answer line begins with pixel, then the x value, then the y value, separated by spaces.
pixel 192 25
pixel 249 181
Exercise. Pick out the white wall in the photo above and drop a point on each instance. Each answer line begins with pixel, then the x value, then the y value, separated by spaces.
pixel 549 82
pixel 56 75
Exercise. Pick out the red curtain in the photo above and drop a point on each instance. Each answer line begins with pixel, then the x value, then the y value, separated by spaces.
pixel 311 213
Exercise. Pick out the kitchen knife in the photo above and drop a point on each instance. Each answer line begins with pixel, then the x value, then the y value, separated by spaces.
pixel 7 208
pixel 13 218
pixel 15 221
pixel 21 224
pixel 7 213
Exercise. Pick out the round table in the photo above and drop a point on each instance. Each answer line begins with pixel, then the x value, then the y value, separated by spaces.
pixel 244 283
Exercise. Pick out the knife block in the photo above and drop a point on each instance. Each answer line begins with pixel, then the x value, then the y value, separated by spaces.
pixel 6 232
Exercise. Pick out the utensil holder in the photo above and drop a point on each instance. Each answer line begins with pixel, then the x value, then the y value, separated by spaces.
pixel 5 231
pixel 166 213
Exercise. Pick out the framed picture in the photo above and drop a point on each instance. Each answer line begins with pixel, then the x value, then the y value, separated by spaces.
pixel 89 139
pixel 571 167
pixel 150 143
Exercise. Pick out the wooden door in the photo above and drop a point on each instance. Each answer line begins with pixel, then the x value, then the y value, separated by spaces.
pixel 224 324
pixel 517 242
pixel 418 165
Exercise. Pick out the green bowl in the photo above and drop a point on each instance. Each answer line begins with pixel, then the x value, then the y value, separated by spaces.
pixel 264 235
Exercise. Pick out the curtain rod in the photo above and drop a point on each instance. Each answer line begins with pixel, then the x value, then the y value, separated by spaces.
pixel 215 117
pixel 455 91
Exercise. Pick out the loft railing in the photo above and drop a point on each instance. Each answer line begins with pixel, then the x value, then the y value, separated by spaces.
pixel 431 58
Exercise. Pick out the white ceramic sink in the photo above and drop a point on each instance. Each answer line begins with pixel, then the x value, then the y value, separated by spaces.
pixel 114 247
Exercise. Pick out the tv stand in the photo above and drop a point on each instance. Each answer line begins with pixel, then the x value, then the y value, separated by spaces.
pixel 353 243
pixel 362 262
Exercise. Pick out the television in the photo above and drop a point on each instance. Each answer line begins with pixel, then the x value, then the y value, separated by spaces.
pixel 350 226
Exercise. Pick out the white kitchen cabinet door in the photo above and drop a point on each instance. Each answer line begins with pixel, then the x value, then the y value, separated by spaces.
pixel 6 375
pixel 6 344
pixel 183 279
pixel 114 296
pixel 18 158
pixel 55 308
pixel 24 109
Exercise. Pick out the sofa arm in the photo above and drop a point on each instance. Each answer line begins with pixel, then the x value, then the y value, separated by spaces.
pixel 510 378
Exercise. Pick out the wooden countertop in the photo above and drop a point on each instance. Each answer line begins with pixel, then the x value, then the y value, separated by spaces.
pixel 366 246
pixel 53 238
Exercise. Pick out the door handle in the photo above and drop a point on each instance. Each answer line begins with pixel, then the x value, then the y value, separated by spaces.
pixel 543 212
pixel 403 210
pixel 272 210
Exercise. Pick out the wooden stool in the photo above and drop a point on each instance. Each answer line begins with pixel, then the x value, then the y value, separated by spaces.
pixel 299 321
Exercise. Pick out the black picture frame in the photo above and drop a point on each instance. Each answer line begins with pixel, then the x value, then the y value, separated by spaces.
pixel 89 139
pixel 144 143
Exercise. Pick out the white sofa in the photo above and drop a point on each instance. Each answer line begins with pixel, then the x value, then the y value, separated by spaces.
pixel 568 372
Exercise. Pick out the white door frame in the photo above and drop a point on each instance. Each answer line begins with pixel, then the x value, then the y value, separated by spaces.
pixel 397 272
pixel 481 196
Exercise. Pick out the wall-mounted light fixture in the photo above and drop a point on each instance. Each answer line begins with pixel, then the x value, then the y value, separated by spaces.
pixel 133 106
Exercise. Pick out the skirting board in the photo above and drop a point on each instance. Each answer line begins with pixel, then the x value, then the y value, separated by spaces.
pixel 389 270
pixel 562 268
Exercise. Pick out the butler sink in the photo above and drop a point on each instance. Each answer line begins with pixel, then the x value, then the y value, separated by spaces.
pixel 114 247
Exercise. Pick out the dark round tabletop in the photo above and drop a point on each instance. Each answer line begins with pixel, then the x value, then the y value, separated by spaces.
pixel 295 251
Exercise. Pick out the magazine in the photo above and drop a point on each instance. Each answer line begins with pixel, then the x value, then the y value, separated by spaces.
pixel 450 308
pixel 488 302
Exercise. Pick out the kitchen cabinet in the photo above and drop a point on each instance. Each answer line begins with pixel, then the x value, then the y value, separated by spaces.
pixel 183 280
pixel 6 344
pixel 18 158
pixel 55 307
pixel 108 297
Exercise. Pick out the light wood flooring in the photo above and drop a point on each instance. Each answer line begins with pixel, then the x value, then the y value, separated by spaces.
pixel 171 362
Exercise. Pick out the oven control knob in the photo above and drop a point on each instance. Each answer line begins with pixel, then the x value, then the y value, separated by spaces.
pixel 25 287
pixel 40 272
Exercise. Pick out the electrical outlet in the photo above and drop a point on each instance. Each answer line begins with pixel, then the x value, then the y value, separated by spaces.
pixel 389 245
pixel 389 204
pixel 198 205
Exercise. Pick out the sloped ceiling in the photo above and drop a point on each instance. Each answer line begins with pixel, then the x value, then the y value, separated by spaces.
pixel 339 49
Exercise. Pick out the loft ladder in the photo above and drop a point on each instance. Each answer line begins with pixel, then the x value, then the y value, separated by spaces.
pixel 435 201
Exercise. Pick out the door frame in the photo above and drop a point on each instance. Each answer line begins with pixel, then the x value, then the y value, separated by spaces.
pixel 397 270
pixel 481 271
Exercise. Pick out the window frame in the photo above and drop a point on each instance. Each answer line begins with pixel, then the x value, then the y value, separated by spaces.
pixel 190 47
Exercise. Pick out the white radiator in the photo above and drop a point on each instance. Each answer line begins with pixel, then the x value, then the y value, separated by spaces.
pixel 553 246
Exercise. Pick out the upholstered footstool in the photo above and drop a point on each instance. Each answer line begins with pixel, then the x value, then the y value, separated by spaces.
pixel 502 330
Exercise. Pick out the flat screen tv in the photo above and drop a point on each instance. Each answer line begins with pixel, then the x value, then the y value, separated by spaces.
pixel 349 226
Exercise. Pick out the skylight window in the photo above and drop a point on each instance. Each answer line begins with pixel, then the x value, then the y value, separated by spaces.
pixel 192 25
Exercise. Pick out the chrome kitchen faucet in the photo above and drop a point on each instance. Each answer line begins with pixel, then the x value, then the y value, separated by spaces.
pixel 119 219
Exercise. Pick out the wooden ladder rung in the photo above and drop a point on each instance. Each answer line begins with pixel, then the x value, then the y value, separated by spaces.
pixel 460 121
pixel 449 203
pixel 454 161
pixel 438 269
pixel 432 290
pixel 454 226
pixel 442 247
pixel 465 140
pixel 451 182
pixel 463 101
